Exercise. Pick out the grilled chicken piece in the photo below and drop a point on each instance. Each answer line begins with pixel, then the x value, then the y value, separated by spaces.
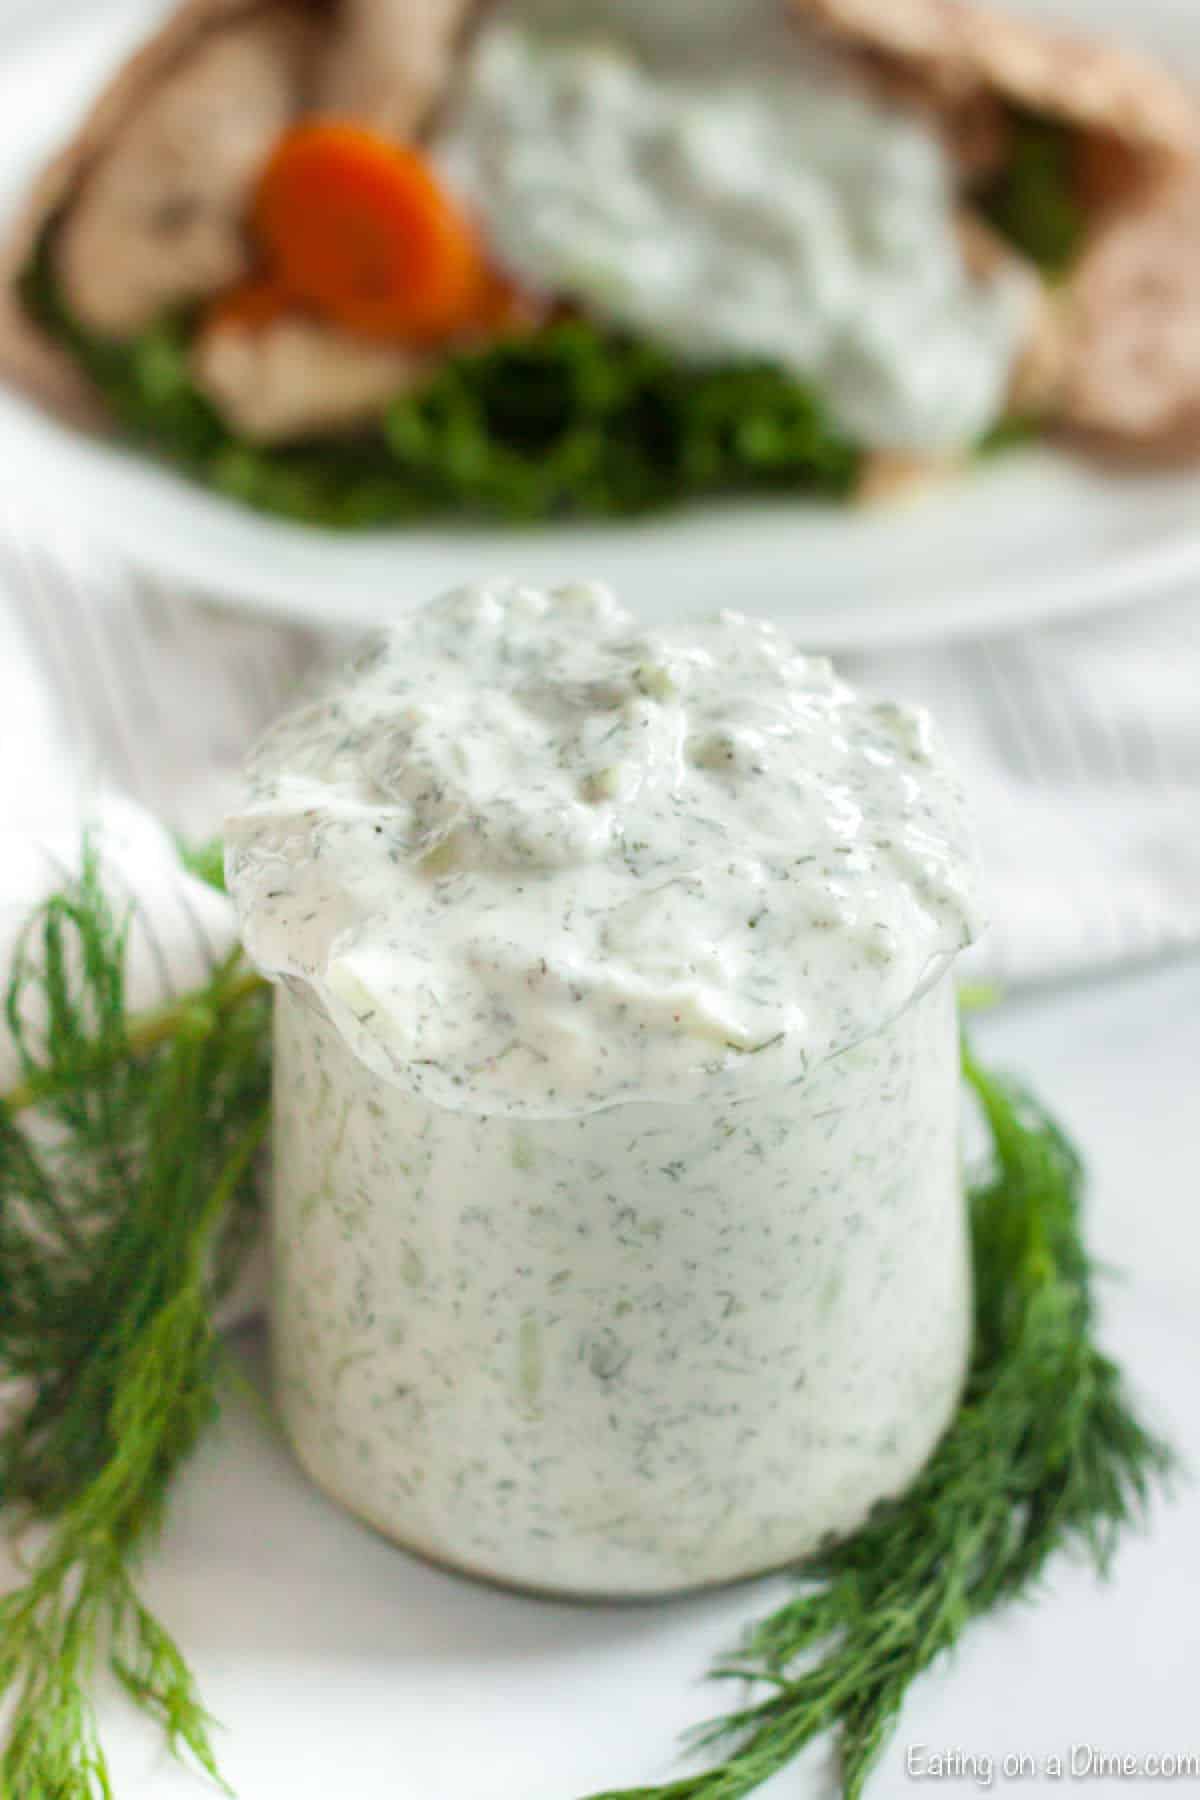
pixel 391 61
pixel 297 377
pixel 1133 370
pixel 160 218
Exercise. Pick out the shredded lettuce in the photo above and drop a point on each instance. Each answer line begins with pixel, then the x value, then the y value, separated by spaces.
pixel 573 420
pixel 1032 201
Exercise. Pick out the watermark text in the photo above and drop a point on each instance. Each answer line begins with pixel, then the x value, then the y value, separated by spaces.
pixel 1077 1762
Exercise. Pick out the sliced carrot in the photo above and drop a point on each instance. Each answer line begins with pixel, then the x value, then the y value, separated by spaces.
pixel 254 303
pixel 362 229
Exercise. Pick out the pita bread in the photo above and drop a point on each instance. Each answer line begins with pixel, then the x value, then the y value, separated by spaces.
pixel 159 220
pixel 27 358
pixel 354 74
pixel 390 60
pixel 1116 352
pixel 959 52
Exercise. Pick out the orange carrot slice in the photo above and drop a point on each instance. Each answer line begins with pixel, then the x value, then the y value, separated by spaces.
pixel 362 229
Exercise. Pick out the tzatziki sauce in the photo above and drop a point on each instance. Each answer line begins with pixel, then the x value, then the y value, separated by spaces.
pixel 735 195
pixel 619 1241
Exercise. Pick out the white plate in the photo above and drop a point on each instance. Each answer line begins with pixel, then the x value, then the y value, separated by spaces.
pixel 1035 535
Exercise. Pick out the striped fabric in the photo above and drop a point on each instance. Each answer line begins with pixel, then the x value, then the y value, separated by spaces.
pixel 1080 746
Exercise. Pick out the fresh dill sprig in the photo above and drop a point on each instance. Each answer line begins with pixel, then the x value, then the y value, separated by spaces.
pixel 124 1209
pixel 122 1217
pixel 1046 1453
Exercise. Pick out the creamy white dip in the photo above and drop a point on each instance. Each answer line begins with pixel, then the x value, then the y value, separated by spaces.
pixel 619 1239
pixel 534 859
pixel 712 182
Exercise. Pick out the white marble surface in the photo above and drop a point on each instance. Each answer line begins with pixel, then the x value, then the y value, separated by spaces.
pixel 339 1667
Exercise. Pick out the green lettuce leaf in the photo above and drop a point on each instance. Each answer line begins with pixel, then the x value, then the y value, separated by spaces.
pixel 573 420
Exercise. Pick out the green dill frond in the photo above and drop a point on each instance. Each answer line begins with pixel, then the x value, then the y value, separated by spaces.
pixel 126 1189
pixel 205 861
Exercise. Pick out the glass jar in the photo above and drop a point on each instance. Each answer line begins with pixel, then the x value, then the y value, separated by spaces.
pixel 619 1240
pixel 637 1350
